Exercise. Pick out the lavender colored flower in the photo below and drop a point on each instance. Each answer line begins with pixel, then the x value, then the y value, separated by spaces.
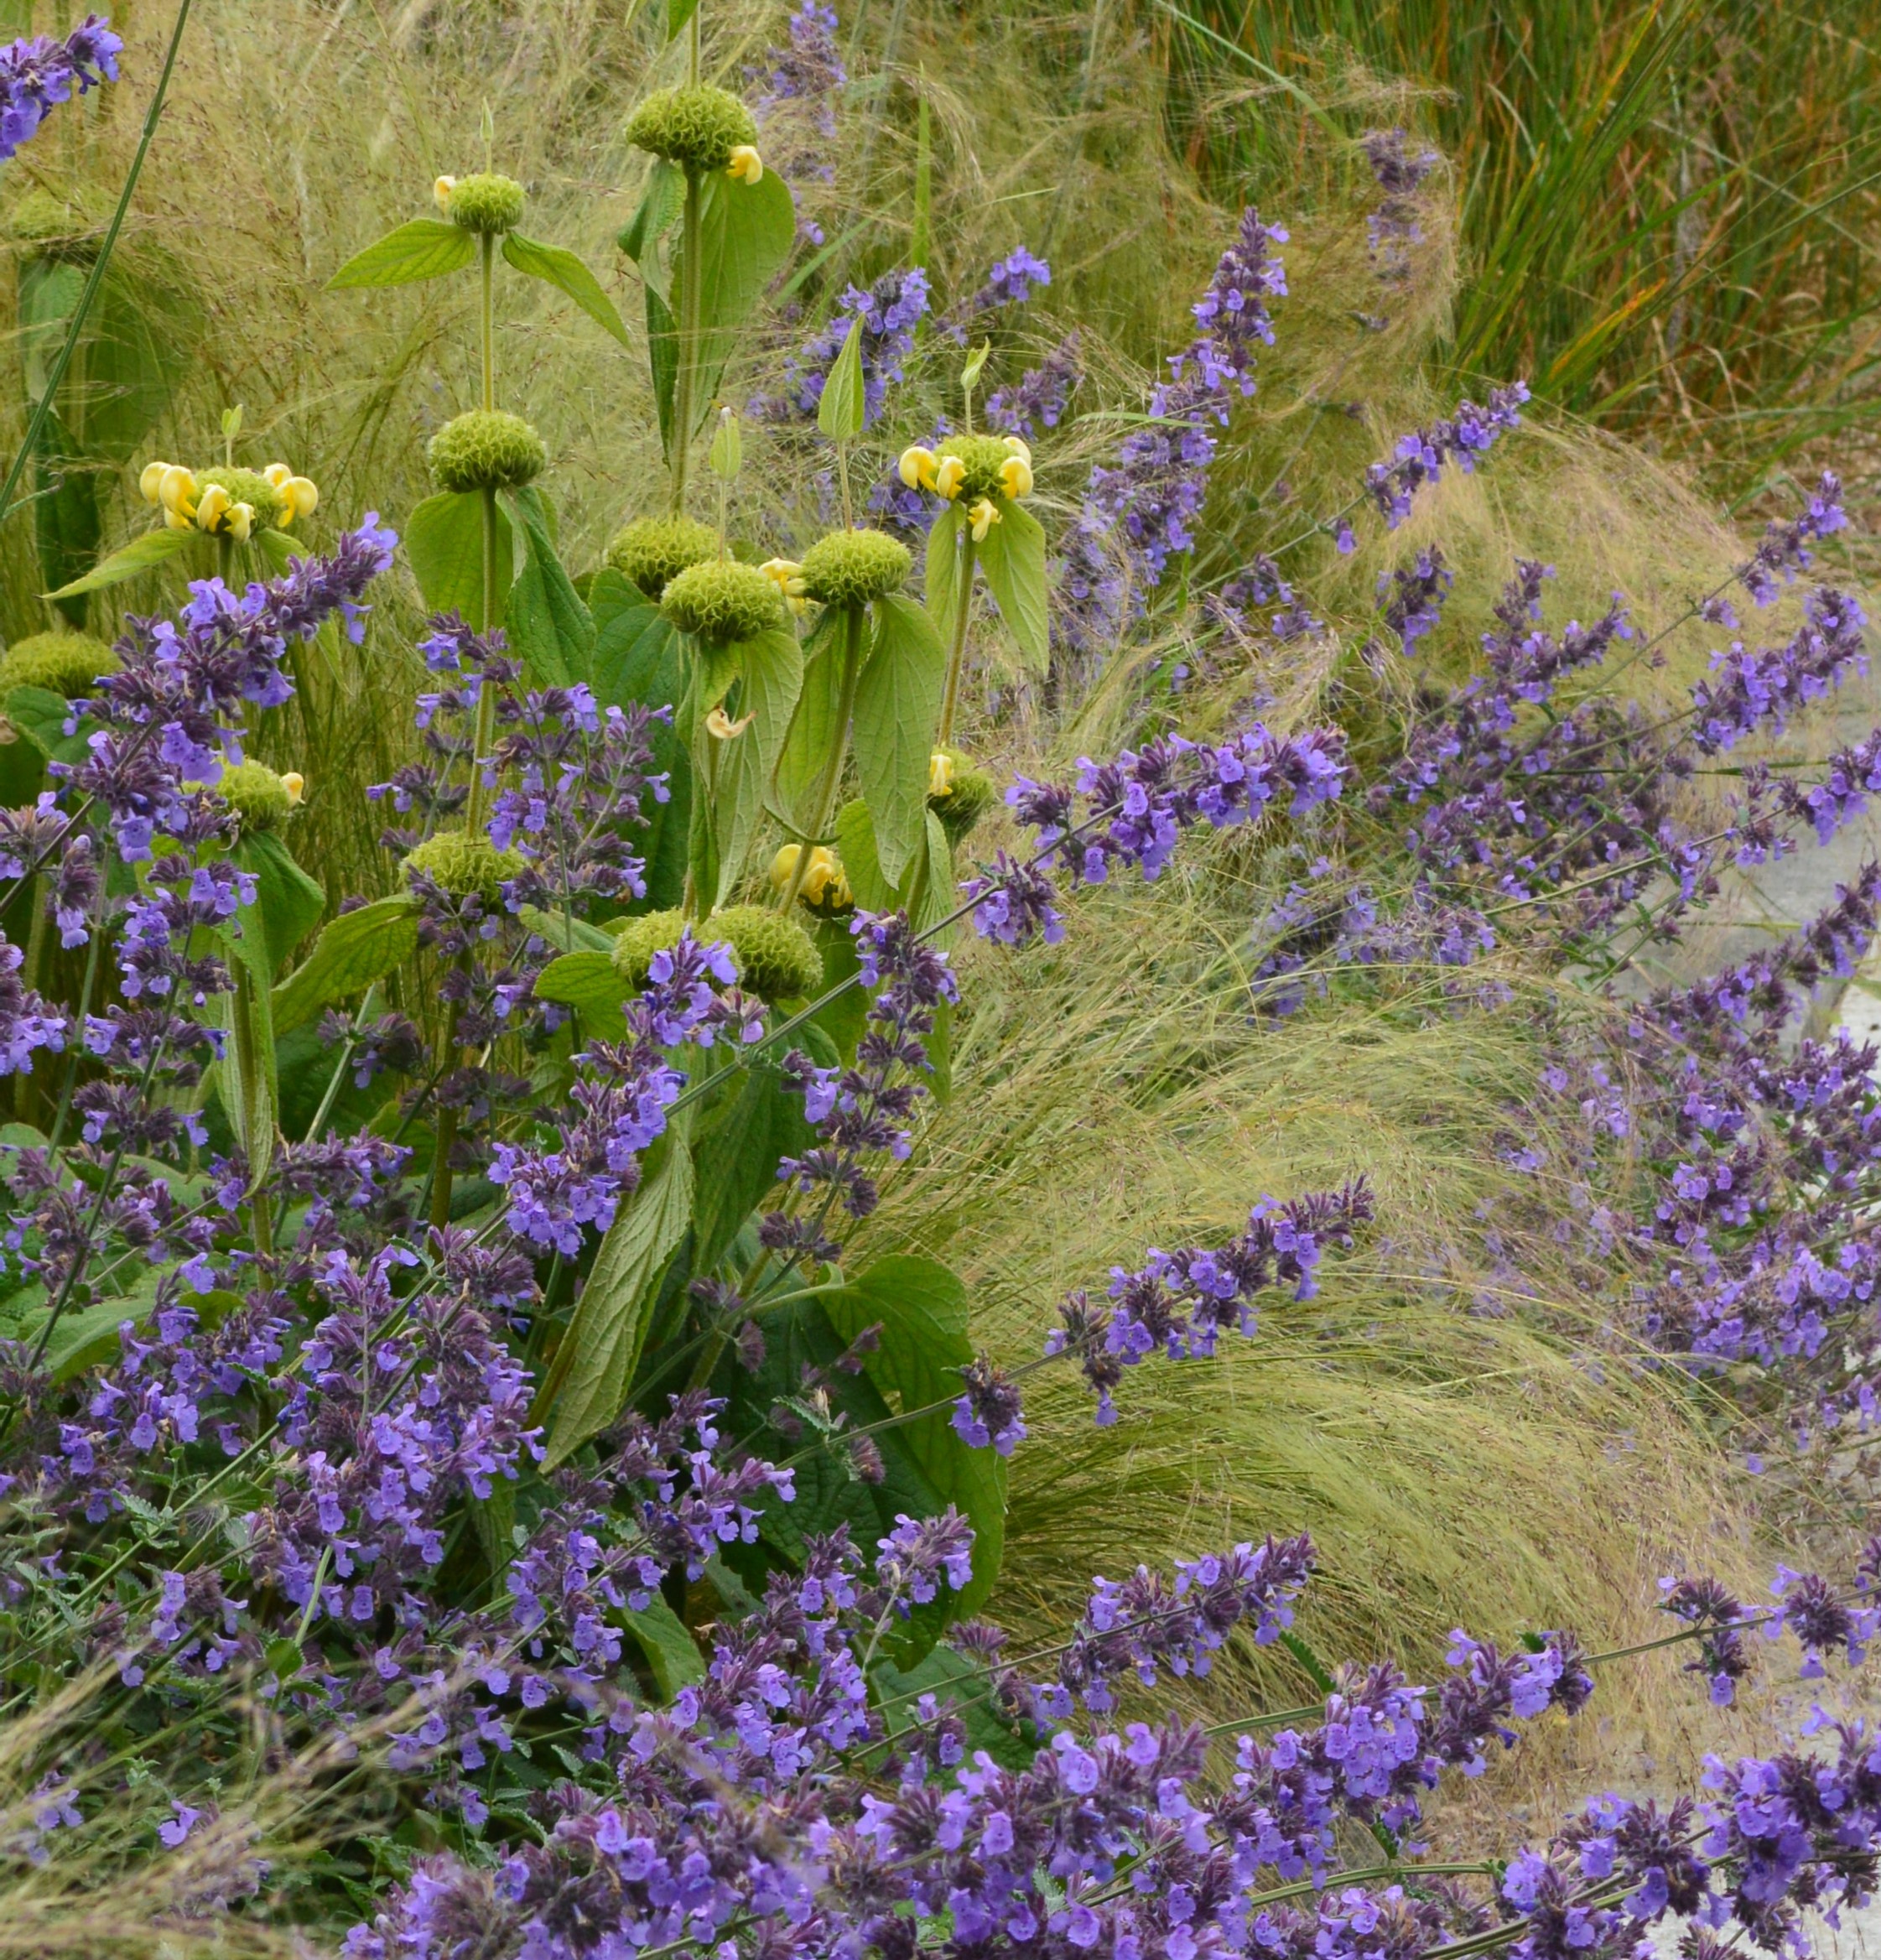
pixel 1420 457
pixel 1037 400
pixel 38 72
pixel 889 309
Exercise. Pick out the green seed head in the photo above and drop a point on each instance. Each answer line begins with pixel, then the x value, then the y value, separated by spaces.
pixel 486 202
pixel 723 602
pixel 486 449
pixel 246 486
pixel 776 959
pixel 698 126
pixel 463 865
pixel 850 568
pixel 63 663
pixel 653 551
pixel 971 794
pixel 983 457
pixel 52 225
pixel 255 792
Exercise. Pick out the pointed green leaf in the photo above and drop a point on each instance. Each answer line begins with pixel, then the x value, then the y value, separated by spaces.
pixel 747 231
pixel 735 1160
pixel 955 1683
pixel 153 548
pixel 565 271
pixel 660 205
pixel 941 593
pixel 546 624
pixel 897 708
pixel 678 13
pixel 288 902
pixel 921 1307
pixel 605 1338
pixel 814 726
pixel 353 950
pixel 637 659
pixel 672 1652
pixel 663 361
pixel 926 889
pixel 568 935
pixel 587 982
pixel 425 249
pixel 40 716
pixel 444 539
pixel 1013 554
pixel 772 678
pixel 839 410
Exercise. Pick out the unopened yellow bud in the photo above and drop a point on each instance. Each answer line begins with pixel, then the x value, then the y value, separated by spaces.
pixel 985 515
pixel 1015 477
pixel 720 725
pixel 150 485
pixel 295 784
pixel 917 468
pixel 949 474
pixel 240 522
pixel 746 164
pixel 440 193
pixel 213 506
pixel 940 773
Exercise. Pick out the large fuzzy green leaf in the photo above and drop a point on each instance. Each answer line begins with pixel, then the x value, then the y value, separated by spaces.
pixel 946 540
pixel 1013 555
pixel 563 270
pixel 587 982
pixel 603 1339
pixel 841 407
pixel 547 624
pixel 658 211
pixel 771 677
pixel 426 248
pixel 142 554
pixel 814 727
pixel 638 658
pixel 444 540
pixel 352 951
pixel 897 708
pixel 747 231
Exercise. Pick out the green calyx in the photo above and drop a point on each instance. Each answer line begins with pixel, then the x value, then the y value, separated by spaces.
pixel 653 551
pixel 486 449
pixel 850 568
pixel 465 866
pixel 698 126
pixel 486 203
pixel 247 486
pixel 62 664
pixel 777 959
pixel 723 602
pixel 971 793
pixel 254 793
pixel 982 457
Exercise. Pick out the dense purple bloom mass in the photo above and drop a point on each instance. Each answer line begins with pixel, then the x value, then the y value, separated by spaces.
pixel 38 72
pixel 889 309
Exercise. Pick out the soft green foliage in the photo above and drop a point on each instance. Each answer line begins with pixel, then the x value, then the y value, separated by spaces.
pixel 723 602
pixel 66 664
pixel 464 865
pixel 698 126
pixel 653 551
pixel 53 226
pixel 486 202
pixel 850 568
pixel 255 792
pixel 970 794
pixel 777 959
pixel 487 449
pixel 247 486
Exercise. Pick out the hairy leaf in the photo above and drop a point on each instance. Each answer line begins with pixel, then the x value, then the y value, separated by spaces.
pixel 562 269
pixel 425 249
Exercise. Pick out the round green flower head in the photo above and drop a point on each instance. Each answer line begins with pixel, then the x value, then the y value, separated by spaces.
pixel 487 203
pixel 486 449
pixel 247 486
pixel 969 794
pixel 463 865
pixel 698 126
pixel 983 457
pixel 850 568
pixel 722 602
pixel 777 959
pixel 62 664
pixel 55 227
pixel 653 551
pixel 260 798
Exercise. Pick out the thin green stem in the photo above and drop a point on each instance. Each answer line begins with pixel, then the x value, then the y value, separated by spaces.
pixel 487 694
pixel 488 244
pixel 957 659
pixel 685 385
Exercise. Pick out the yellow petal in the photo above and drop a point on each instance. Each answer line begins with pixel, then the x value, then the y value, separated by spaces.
pixel 719 725
pixel 940 773
pixel 441 191
pixel 917 468
pixel 949 474
pixel 178 521
pixel 1015 476
pixel 1021 448
pixel 278 474
pixel 298 497
pixel 783 864
pixel 295 784
pixel 786 574
pixel 214 505
pixel 150 485
pixel 984 514
pixel 746 164
pixel 240 522
pixel 176 489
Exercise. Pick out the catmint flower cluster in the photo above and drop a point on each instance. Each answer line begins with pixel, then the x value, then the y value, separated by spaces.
pixel 38 72
pixel 1038 399
pixel 889 309
pixel 1420 458
pixel 1393 228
